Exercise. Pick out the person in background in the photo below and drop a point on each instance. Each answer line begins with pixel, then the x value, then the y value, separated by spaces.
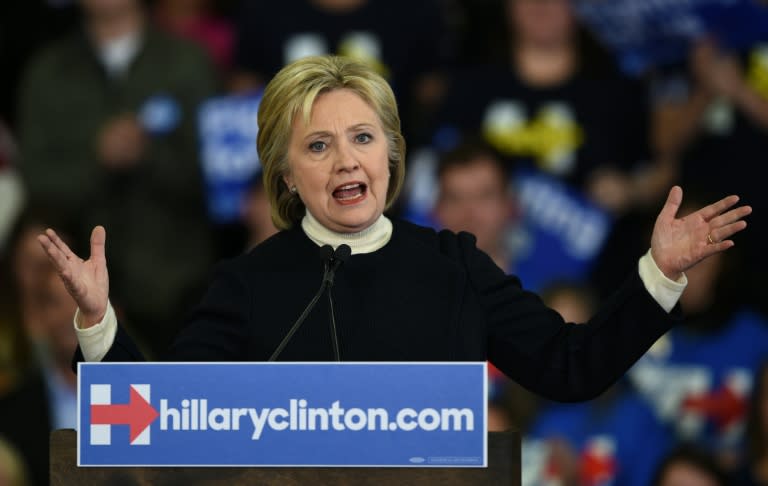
pixel 251 224
pixel 475 194
pixel 12 346
pixel 550 97
pixel 754 471
pixel 109 133
pixel 710 114
pixel 406 42
pixel 256 214
pixel 28 269
pixel 687 465
pixel 551 100
pixel 12 196
pixel 44 396
pixel 572 300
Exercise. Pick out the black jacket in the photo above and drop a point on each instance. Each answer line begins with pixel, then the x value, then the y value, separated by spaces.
pixel 425 296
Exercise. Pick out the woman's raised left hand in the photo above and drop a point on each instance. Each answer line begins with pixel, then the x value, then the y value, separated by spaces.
pixel 677 244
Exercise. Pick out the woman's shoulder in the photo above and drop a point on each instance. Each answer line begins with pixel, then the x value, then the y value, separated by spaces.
pixel 444 249
pixel 443 241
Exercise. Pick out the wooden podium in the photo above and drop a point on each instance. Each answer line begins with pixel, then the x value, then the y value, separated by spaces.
pixel 503 469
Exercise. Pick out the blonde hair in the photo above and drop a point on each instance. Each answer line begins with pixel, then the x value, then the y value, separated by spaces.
pixel 293 90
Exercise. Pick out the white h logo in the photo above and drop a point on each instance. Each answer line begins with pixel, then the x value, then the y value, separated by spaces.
pixel 138 413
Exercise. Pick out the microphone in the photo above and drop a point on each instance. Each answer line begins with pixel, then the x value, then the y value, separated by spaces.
pixel 340 256
pixel 332 260
pixel 326 255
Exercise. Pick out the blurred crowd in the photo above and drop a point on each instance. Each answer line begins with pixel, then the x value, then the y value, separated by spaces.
pixel 522 129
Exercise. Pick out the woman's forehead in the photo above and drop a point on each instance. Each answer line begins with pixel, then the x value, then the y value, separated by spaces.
pixel 338 108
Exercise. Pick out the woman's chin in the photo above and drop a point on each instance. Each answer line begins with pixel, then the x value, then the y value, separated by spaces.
pixel 353 223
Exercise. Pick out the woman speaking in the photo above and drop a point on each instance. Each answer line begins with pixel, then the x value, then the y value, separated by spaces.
pixel 333 162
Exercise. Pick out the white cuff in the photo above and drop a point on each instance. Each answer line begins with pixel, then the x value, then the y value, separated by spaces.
pixel 96 340
pixel 663 290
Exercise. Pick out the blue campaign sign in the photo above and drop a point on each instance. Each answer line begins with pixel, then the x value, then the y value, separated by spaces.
pixel 564 231
pixel 282 414
pixel 650 33
pixel 228 128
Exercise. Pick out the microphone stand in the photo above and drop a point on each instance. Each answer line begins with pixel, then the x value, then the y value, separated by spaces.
pixel 331 262
pixel 341 255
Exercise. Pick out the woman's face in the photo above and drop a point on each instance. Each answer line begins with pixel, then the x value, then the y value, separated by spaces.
pixel 683 474
pixel 339 162
pixel 30 263
pixel 541 22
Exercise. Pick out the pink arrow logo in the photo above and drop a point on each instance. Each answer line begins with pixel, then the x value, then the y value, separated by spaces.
pixel 138 414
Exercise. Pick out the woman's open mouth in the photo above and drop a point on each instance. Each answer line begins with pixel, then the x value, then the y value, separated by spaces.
pixel 350 193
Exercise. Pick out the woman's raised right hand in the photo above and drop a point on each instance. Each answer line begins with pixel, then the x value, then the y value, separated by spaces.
pixel 86 281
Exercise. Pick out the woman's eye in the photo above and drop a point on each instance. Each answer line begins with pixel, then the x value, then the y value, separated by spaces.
pixel 363 138
pixel 317 146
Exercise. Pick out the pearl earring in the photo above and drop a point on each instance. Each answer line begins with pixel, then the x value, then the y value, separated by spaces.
pixel 293 190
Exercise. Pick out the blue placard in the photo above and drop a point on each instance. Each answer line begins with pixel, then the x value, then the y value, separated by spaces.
pixel 228 129
pixel 563 232
pixel 282 414
pixel 652 33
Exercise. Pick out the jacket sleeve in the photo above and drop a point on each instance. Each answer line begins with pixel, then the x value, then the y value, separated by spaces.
pixel 217 328
pixel 558 360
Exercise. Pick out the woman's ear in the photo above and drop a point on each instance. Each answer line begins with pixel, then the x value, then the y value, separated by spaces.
pixel 288 181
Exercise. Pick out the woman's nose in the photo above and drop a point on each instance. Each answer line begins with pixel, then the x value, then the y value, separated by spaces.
pixel 346 159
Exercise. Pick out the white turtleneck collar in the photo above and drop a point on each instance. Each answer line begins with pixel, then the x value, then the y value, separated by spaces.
pixel 368 240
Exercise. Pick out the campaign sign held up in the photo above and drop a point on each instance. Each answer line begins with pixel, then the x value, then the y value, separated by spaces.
pixel 650 33
pixel 228 129
pixel 282 414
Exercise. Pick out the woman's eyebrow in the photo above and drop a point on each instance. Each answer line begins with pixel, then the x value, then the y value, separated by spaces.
pixel 326 133
pixel 358 126
pixel 318 133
